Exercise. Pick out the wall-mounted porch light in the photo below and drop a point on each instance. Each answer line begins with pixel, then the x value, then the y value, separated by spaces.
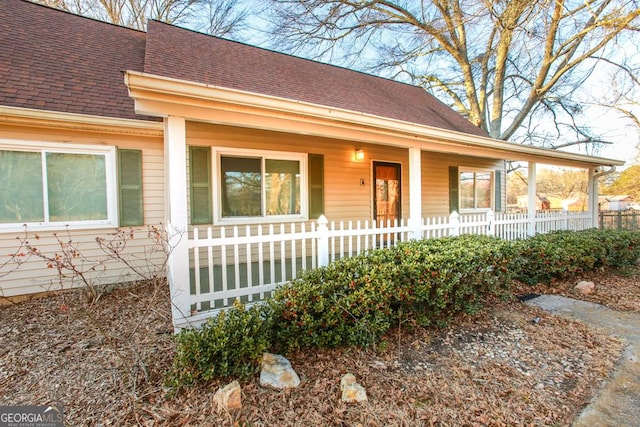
pixel 359 155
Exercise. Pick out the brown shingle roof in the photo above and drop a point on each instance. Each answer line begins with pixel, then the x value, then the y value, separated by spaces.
pixel 184 54
pixel 58 61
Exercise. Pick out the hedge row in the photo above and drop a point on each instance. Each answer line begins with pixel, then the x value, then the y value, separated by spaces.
pixel 355 301
pixel 563 254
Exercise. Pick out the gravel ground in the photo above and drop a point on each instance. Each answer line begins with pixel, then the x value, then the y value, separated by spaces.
pixel 619 290
pixel 510 364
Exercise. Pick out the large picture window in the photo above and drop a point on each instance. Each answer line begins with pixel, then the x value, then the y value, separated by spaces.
pixel 475 189
pixel 55 186
pixel 254 185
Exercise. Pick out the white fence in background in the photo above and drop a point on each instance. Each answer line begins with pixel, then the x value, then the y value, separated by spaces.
pixel 250 262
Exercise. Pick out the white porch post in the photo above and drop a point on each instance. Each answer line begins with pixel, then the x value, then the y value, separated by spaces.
pixel 593 198
pixel 532 199
pixel 175 160
pixel 415 192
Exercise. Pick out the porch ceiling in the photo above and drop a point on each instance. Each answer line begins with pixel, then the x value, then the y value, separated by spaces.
pixel 162 97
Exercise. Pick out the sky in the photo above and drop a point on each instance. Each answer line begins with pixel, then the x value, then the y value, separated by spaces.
pixel 618 130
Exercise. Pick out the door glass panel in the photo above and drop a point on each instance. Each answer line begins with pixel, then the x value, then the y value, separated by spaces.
pixel 387 192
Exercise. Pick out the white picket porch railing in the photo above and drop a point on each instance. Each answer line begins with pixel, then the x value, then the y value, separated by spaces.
pixel 250 262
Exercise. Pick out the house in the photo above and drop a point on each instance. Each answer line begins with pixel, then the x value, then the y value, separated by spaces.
pixel 617 203
pixel 243 153
pixel 542 202
pixel 548 202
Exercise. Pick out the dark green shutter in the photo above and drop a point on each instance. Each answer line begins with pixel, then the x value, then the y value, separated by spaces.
pixel 130 187
pixel 498 179
pixel 453 189
pixel 316 185
pixel 200 185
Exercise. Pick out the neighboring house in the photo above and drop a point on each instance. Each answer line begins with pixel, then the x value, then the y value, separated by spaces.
pixel 546 202
pixel 617 203
pixel 104 127
pixel 542 202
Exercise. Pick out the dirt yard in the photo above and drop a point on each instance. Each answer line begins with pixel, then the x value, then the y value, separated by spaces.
pixel 508 365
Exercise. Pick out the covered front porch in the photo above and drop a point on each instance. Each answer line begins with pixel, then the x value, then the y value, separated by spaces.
pixel 248 263
pixel 223 258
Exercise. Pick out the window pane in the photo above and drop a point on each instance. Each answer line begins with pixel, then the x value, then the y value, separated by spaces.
pixel 282 182
pixel 483 190
pixel 241 186
pixel 466 190
pixel 21 187
pixel 77 187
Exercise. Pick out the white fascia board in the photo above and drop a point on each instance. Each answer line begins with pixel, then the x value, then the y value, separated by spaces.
pixel 143 86
pixel 74 121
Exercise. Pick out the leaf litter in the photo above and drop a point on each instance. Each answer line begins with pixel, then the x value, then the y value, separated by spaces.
pixel 105 363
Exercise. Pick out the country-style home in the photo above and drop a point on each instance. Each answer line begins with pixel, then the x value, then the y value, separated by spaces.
pixel 260 164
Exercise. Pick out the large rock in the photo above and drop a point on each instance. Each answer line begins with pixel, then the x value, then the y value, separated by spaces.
pixel 228 397
pixel 277 372
pixel 585 288
pixel 352 392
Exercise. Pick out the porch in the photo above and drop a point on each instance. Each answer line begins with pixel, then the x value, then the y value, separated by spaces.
pixel 221 251
pixel 249 262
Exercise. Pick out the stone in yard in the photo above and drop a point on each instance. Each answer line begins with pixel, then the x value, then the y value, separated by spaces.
pixel 277 372
pixel 351 390
pixel 228 397
pixel 585 288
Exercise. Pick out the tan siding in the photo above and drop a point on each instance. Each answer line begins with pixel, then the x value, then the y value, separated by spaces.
pixel 33 276
pixel 435 178
pixel 153 183
pixel 345 198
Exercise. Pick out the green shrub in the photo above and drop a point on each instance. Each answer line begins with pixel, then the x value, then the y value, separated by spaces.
pixel 563 254
pixel 345 303
pixel 354 301
pixel 620 248
pixel 228 345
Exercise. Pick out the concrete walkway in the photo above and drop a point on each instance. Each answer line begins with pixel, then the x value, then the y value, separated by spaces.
pixel 618 403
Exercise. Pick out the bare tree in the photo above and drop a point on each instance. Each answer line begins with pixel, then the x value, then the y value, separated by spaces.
pixel 216 17
pixel 623 95
pixel 223 17
pixel 514 68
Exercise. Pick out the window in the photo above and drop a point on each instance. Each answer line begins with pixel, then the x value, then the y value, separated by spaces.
pixel 54 185
pixel 251 185
pixel 475 189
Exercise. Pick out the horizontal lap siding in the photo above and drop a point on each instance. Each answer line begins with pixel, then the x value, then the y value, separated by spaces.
pixel 345 198
pixel 435 178
pixel 34 276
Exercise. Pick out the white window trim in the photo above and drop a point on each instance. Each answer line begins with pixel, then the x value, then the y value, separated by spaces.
pixel 275 155
pixel 109 153
pixel 463 169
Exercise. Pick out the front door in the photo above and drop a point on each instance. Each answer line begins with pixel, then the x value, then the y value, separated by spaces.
pixel 386 197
